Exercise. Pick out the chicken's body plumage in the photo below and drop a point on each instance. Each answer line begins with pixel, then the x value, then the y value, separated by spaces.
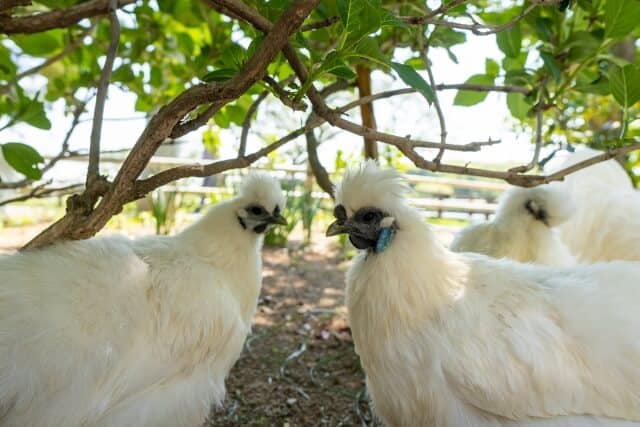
pixel 523 228
pixel 459 340
pixel 606 223
pixel 119 332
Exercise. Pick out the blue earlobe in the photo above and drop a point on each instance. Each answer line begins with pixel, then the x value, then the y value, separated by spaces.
pixel 384 239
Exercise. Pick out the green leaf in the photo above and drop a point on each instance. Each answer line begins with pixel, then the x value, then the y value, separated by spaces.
pixel 621 17
pixel 518 106
pixel 551 65
pixel 360 18
pixel 344 72
pixel 7 67
pixel 389 19
pixel 34 115
pixel 510 41
pixel 624 83
pixel 491 67
pixel 467 97
pixel 40 44
pixel 599 87
pixel 544 28
pixel 413 79
pixel 446 37
pixel 220 75
pixel 23 158
pixel 368 49
pixel 123 74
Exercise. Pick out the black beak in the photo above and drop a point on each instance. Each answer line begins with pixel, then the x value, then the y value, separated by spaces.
pixel 338 227
pixel 278 220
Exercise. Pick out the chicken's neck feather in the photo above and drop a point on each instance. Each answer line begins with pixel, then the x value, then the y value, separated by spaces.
pixel 219 237
pixel 410 282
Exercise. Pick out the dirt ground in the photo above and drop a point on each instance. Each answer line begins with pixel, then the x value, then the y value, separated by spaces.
pixel 298 367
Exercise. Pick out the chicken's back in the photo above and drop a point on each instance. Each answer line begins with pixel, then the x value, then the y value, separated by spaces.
pixel 67 314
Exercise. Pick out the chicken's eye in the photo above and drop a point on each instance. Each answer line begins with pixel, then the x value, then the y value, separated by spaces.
pixel 256 210
pixel 368 217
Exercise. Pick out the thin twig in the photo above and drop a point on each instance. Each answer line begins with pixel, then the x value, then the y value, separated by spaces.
pixel 246 124
pixel 283 95
pixel 320 24
pixel 475 28
pixel 41 191
pixel 64 151
pixel 184 127
pixel 436 102
pixel 71 47
pixel 539 108
pixel 485 88
pixel 93 170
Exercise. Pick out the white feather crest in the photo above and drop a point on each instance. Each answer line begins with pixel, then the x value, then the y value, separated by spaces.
pixel 368 185
pixel 262 188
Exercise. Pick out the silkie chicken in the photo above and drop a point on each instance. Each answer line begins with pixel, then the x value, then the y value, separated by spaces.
pixel 523 227
pixel 606 223
pixel 118 332
pixel 464 340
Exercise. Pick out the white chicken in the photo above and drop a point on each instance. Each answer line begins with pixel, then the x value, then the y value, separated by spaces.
pixel 118 332
pixel 449 339
pixel 523 227
pixel 606 224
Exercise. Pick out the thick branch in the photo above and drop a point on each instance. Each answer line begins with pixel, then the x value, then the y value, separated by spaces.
pixel 144 186
pixel 61 18
pixel 76 225
pixel 10 4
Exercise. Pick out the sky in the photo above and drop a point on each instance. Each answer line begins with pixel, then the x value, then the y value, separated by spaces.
pixel 406 115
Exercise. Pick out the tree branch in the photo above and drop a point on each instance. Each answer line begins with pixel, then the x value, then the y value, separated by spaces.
pixel 10 4
pixel 436 101
pixel 71 47
pixel 64 151
pixel 144 186
pixel 61 18
pixel 319 171
pixel 78 224
pixel 485 88
pixel 93 170
pixel 476 28
pixel 283 95
pixel 246 124
pixel 200 120
pixel 41 191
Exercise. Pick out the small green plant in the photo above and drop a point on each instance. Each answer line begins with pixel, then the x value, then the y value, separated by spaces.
pixel 163 209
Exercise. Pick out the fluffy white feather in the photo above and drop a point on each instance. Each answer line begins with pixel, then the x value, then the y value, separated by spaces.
pixel 459 340
pixel 606 225
pixel 118 332
pixel 522 228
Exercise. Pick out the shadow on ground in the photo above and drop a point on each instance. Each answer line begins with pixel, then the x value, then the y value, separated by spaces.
pixel 298 367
